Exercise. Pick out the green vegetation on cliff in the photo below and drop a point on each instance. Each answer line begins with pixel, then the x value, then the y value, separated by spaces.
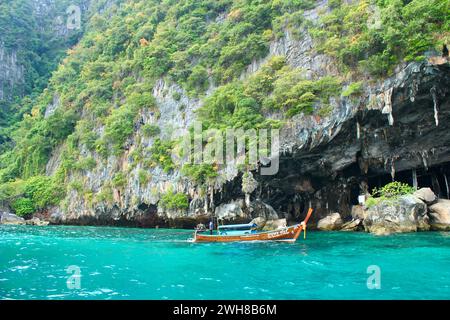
pixel 39 39
pixel 174 201
pixel 375 36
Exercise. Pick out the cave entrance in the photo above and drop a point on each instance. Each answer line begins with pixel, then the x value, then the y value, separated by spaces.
pixel 148 208
pixel 379 181
pixel 354 194
pixel 295 206
pixel 437 178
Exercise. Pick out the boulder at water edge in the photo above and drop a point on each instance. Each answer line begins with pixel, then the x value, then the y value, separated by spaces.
pixel 11 219
pixel 404 214
pixel 36 222
pixel 331 222
pixel 358 212
pixel 440 215
pixel 426 195
pixel 353 225
pixel 275 224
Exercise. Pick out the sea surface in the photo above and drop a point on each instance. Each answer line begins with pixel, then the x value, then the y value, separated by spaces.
pixel 63 262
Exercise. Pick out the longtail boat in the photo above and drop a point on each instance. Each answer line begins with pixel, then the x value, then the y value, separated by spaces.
pixel 247 232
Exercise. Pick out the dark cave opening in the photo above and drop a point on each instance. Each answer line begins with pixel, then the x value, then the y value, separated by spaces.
pixel 354 194
pixel 437 178
pixel 148 208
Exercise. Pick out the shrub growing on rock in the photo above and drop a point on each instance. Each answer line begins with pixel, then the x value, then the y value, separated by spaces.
pixel 23 207
pixel 391 191
pixel 175 201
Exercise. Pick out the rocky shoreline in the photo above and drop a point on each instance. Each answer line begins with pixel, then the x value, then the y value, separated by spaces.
pixel 420 211
pixel 7 218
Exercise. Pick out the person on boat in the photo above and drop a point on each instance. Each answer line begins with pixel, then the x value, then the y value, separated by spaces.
pixel 211 227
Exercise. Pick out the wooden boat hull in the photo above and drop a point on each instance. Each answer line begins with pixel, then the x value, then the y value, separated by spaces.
pixel 288 234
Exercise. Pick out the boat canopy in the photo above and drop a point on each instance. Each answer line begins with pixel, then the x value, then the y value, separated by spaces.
pixel 247 226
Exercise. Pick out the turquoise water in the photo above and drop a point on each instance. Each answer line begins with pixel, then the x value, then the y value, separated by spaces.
pixel 121 263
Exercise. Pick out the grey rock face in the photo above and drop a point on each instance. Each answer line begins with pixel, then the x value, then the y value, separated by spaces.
pixel 358 212
pixel 275 224
pixel 230 210
pixel 11 219
pixel 426 195
pixel 11 73
pixel 440 215
pixel 351 225
pixel 258 208
pixel 330 222
pixel 37 222
pixel 405 214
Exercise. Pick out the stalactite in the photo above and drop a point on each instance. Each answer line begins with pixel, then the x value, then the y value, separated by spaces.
pixel 390 163
pixel 358 131
pixel 247 199
pixel 424 156
pixel 446 185
pixel 435 184
pixel 435 105
pixel 212 198
pixel 414 178
pixel 392 170
pixel 388 105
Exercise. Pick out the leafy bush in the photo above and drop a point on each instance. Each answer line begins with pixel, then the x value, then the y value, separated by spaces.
pixel 36 193
pixel 101 147
pixel 76 185
pixel 371 202
pixel 160 154
pixel 23 207
pixel 150 130
pixel 87 163
pixel 11 190
pixel 389 192
pixel 198 80
pixel 200 173
pixel 143 177
pixel 43 191
pixel 139 100
pixel 105 195
pixel 354 88
pixel 119 180
pixel 393 190
pixel 176 96
pixel 175 201
pixel 119 126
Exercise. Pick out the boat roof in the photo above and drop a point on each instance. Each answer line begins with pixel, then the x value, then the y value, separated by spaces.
pixel 245 225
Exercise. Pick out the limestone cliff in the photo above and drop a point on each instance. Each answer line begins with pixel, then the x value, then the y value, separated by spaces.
pixel 11 73
pixel 396 126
